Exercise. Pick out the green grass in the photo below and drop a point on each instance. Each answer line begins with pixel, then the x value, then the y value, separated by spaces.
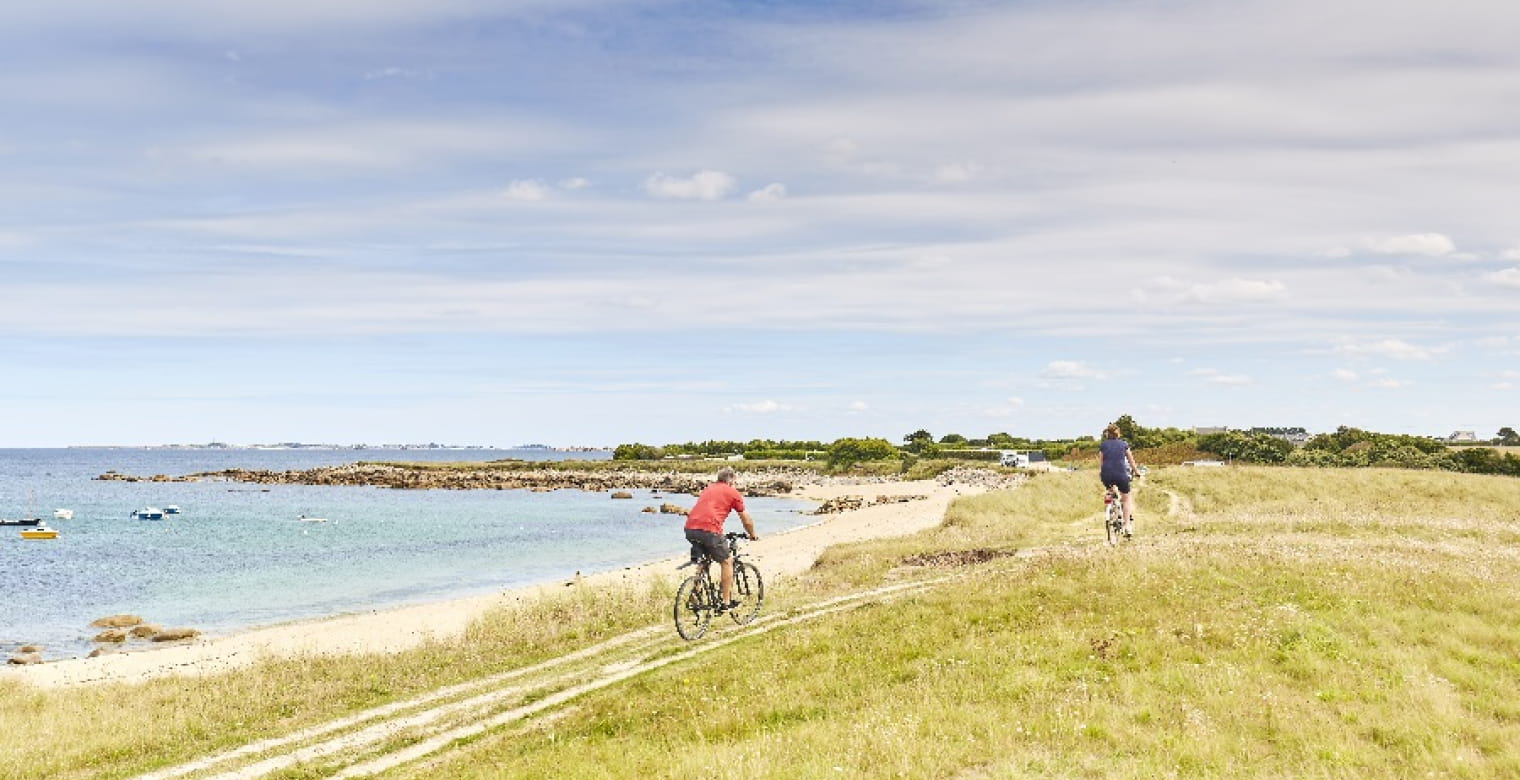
pixel 117 730
pixel 1279 623
pixel 1245 640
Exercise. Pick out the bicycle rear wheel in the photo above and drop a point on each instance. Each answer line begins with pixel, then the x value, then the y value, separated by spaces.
pixel 693 610
pixel 749 591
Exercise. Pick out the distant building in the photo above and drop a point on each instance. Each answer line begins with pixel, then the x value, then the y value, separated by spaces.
pixel 1210 430
pixel 1297 437
pixel 1462 437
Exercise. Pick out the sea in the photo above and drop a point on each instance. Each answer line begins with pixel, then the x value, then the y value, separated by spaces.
pixel 239 556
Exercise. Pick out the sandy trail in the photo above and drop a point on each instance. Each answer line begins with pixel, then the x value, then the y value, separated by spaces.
pixel 402 628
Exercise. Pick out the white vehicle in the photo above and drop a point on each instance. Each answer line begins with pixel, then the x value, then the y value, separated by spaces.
pixel 1016 460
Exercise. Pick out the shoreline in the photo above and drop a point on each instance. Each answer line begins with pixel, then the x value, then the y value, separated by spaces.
pixel 395 629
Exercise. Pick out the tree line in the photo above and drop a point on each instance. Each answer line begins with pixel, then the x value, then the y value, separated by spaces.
pixel 1346 447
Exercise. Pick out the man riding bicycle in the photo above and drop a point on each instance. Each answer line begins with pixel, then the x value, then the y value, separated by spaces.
pixel 704 527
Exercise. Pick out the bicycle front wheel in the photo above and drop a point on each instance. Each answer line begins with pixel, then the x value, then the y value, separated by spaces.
pixel 749 591
pixel 692 609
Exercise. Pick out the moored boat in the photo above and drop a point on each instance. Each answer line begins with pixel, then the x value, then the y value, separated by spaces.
pixel 148 513
pixel 63 514
pixel 22 521
pixel 40 532
pixel 171 510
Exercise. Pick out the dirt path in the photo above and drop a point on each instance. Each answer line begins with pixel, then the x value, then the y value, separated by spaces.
pixel 366 742
pixel 1178 505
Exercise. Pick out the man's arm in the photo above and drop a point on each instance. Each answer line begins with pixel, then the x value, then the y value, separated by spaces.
pixel 749 526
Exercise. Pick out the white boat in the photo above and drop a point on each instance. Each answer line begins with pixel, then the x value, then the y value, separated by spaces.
pixel 149 513
pixel 40 532
pixel 63 514
pixel 171 510
pixel 306 519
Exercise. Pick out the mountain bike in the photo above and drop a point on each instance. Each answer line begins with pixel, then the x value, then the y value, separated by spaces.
pixel 1113 515
pixel 699 596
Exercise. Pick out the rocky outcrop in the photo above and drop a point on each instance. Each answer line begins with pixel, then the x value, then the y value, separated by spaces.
pixel 834 506
pixel 982 478
pixel 175 634
pixel 503 476
pixel 24 659
pixel 112 635
pixel 622 494
pixel 672 509
pixel 116 621
pixel 145 631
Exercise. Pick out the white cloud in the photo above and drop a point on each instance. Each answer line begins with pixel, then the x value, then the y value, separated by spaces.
pixel 1389 383
pixel 761 407
pixel 1510 254
pixel 526 190
pixel 956 173
pixel 1006 409
pixel 703 185
pixel 231 56
pixel 1397 349
pixel 856 407
pixel 392 73
pixel 1424 244
pixel 1070 369
pixel 769 193
pixel 1503 386
pixel 1344 374
pixel 1509 277
pixel 1235 291
pixel 1214 376
pixel 574 183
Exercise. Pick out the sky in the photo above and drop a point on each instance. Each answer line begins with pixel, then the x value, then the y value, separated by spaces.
pixel 589 222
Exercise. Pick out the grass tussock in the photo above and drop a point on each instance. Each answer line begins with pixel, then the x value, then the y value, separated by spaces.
pixel 1265 622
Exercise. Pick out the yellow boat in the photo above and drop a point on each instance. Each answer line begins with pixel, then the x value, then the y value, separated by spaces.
pixel 40 532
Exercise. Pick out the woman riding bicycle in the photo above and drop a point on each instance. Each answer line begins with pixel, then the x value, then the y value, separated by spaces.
pixel 1118 462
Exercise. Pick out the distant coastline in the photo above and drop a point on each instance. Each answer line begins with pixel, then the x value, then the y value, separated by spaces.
pixel 280 446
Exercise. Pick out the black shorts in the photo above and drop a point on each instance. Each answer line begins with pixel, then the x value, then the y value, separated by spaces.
pixel 1120 482
pixel 708 542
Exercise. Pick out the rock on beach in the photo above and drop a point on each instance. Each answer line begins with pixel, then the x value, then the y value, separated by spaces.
pixel 116 621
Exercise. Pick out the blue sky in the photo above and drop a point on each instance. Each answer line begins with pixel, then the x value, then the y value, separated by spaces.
pixel 600 221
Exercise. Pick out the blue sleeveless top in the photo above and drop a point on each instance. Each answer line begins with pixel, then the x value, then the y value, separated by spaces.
pixel 1115 465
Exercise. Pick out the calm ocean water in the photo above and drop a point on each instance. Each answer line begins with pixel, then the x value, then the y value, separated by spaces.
pixel 240 557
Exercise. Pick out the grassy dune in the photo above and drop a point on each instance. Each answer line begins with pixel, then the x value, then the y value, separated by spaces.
pixel 1264 623
pixel 1297 624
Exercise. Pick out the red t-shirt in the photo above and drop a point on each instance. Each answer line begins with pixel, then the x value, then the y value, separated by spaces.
pixel 713 507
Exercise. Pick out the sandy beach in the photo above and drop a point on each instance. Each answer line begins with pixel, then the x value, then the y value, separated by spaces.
pixel 391 630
